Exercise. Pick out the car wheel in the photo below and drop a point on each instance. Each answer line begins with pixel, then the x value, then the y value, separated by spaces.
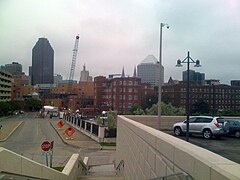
pixel 207 134
pixel 177 131
pixel 237 134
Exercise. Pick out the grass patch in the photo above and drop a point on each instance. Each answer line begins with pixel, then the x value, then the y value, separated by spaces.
pixel 58 168
pixel 107 144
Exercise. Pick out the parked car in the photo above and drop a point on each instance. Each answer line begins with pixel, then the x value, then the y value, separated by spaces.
pixel 207 126
pixel 234 128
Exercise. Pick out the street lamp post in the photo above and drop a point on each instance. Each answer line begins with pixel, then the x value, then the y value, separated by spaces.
pixel 160 71
pixel 188 60
pixel 213 94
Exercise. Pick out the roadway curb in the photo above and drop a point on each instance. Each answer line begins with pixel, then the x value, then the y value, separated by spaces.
pixel 14 129
pixel 65 142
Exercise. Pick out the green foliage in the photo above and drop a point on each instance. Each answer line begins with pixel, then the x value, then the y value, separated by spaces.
pixel 166 109
pixel 153 110
pixel 226 112
pixel 7 108
pixel 170 110
pixel 139 111
pixel 200 108
pixel 99 120
pixel 107 144
pixel 112 119
pixel 132 109
pixel 148 100
pixel 33 104
pixel 136 110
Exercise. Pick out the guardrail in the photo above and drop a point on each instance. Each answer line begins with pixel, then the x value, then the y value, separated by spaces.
pixel 99 133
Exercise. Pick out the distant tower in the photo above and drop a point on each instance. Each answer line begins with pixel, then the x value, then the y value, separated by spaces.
pixel 135 72
pixel 123 73
pixel 85 75
pixel 14 68
pixel 149 72
pixel 42 62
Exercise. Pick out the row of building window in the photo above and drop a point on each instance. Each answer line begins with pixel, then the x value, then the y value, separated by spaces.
pixel 122 90
pixel 125 82
pixel 130 97
pixel 208 90
pixel 211 96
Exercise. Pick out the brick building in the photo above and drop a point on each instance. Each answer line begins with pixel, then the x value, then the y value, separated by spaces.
pixel 219 97
pixel 119 94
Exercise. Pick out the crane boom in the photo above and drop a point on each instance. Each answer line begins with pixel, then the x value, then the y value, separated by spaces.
pixel 74 57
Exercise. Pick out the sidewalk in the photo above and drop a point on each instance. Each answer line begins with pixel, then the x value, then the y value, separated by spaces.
pixel 78 139
pixel 8 127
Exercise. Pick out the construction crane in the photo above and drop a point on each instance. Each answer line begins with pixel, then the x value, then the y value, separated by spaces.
pixel 74 58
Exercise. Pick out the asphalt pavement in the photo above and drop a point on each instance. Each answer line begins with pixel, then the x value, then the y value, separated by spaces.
pixel 77 139
pixel 7 128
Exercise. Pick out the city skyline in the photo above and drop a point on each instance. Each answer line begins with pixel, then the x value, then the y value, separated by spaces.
pixel 124 33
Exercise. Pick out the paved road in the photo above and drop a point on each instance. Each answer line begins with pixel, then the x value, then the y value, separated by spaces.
pixel 27 138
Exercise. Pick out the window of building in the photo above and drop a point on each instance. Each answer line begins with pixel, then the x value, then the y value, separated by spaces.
pixel 129 89
pixel 129 97
pixel 129 105
pixel 135 97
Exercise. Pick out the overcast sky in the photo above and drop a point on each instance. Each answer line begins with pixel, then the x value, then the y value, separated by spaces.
pixel 117 33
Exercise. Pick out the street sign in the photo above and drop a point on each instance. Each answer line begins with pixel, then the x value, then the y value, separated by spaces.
pixel 70 131
pixel 46 146
pixel 60 124
pixel 51 147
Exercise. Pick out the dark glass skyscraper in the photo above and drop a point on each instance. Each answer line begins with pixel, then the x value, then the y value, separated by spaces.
pixel 42 62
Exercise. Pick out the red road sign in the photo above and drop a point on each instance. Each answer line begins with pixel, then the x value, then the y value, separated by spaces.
pixel 45 145
pixel 60 124
pixel 70 131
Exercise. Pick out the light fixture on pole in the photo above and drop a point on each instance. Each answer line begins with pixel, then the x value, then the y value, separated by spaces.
pixel 188 60
pixel 160 75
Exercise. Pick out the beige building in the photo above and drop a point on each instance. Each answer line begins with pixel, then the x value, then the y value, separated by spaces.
pixel 85 75
pixel 5 85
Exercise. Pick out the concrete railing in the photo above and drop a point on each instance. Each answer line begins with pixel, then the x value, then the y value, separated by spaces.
pixel 148 153
pixel 12 163
pixel 87 128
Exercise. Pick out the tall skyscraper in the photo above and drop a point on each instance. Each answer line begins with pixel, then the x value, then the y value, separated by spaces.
pixel 42 62
pixel 149 72
pixel 194 76
pixel 85 75
pixel 14 68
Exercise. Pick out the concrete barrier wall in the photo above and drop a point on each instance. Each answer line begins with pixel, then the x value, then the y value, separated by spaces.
pixel 149 153
pixel 11 162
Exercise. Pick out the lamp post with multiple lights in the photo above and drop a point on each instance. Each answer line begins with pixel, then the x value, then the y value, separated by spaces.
pixel 188 60
pixel 160 71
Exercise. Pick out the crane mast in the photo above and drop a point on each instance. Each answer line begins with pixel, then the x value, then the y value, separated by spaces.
pixel 74 58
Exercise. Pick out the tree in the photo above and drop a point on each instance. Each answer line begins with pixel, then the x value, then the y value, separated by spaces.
pixel 112 119
pixel 33 104
pixel 200 107
pixel 167 109
pixel 148 100
pixel 136 110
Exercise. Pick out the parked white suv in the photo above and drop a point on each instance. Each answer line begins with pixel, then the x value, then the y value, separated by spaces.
pixel 208 126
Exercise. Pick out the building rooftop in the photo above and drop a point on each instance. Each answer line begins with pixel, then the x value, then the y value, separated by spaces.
pixel 150 59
